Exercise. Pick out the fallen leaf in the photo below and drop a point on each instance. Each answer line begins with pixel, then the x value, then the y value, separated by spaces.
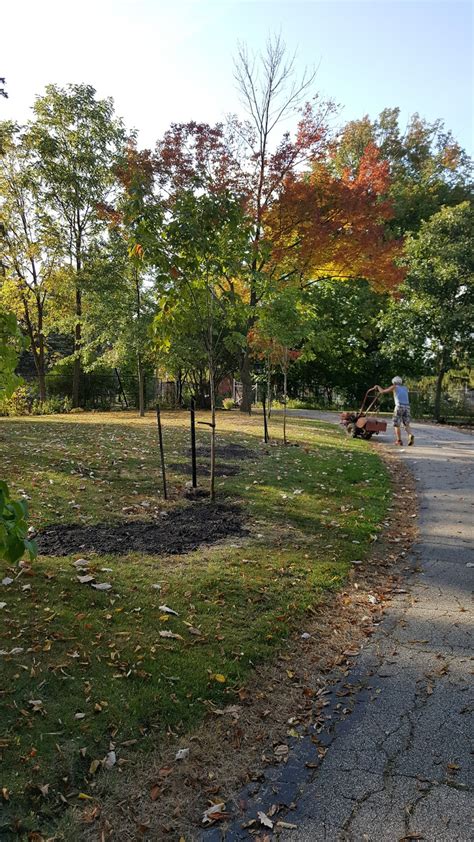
pixel 110 760
pixel 170 634
pixel 102 586
pixel 287 825
pixel 167 610
pixel 84 580
pixel 155 792
pixel 182 754
pixel 263 819
pixel 217 676
pixel 215 813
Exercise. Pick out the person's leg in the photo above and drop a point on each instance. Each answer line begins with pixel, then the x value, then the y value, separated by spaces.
pixel 406 424
pixel 396 427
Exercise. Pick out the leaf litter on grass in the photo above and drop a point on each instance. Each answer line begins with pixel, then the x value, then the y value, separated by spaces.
pixel 133 683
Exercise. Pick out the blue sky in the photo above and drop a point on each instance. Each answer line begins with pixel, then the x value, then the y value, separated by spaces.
pixel 172 61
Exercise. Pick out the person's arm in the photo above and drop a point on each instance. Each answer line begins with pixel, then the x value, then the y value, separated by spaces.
pixel 385 391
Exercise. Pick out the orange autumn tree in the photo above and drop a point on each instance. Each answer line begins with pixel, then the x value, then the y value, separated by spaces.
pixel 330 226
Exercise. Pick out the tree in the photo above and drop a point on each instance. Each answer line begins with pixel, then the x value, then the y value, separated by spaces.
pixel 10 344
pixel 433 318
pixel 2 89
pixel 77 140
pixel 280 332
pixel 135 226
pixel 30 257
pixel 206 240
pixel 13 513
pixel 428 168
pixel 343 340
pixel 271 93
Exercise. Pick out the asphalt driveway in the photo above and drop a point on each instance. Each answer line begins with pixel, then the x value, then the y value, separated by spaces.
pixel 401 766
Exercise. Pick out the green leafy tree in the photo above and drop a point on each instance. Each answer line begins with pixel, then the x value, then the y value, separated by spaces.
pixel 77 140
pixel 428 168
pixel 29 256
pixel 432 321
pixel 280 333
pixel 122 306
pixel 13 513
pixel 11 341
pixel 206 240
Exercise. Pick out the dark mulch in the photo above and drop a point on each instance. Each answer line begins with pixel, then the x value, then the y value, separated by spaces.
pixel 228 451
pixel 203 470
pixel 182 530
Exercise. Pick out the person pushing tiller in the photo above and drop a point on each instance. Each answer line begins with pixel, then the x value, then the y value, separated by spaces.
pixel 401 414
pixel 363 424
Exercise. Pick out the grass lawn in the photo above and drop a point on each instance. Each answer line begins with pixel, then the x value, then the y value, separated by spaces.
pixel 92 677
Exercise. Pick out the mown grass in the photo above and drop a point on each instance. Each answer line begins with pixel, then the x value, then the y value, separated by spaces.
pixel 94 663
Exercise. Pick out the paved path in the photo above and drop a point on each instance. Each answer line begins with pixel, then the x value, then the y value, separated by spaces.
pixel 401 764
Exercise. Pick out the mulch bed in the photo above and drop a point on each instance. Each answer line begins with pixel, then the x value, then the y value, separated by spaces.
pixel 177 531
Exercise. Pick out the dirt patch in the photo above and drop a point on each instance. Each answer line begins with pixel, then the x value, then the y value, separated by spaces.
pixel 180 530
pixel 228 451
pixel 236 746
pixel 203 470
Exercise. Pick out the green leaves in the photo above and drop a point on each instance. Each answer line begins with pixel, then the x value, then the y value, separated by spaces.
pixel 11 342
pixel 14 528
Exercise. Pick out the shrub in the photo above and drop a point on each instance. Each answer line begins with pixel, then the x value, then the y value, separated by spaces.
pixel 228 403
pixel 54 405
pixel 18 404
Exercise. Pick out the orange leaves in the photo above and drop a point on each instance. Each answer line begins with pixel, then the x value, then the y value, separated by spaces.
pixel 325 225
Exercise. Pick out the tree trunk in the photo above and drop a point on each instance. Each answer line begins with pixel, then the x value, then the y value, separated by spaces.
pixel 285 397
pixel 213 433
pixel 141 386
pixel 76 377
pixel 269 388
pixel 37 349
pixel 439 385
pixel 245 376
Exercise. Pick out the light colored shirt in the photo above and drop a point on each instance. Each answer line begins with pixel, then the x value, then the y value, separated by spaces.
pixel 401 396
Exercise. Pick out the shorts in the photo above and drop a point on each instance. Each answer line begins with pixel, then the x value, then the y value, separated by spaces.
pixel 401 416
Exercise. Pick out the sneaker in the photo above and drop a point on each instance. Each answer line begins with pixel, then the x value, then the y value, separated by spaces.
pixel 399 443
pixel 411 440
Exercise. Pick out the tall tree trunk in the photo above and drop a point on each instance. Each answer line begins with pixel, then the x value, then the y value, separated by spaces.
pixel 141 374
pixel 37 348
pixel 285 394
pixel 141 386
pixel 76 376
pixel 269 387
pixel 213 430
pixel 245 376
pixel 439 386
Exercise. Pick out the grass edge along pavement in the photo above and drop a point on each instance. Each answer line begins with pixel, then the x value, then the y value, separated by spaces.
pixel 310 511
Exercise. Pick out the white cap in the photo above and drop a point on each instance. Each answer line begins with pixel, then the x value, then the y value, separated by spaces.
pixel 397 381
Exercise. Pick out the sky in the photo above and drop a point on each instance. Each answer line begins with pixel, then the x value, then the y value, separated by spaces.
pixel 169 61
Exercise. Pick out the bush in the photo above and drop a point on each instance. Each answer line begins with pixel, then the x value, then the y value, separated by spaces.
pixel 18 404
pixel 228 403
pixel 52 406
